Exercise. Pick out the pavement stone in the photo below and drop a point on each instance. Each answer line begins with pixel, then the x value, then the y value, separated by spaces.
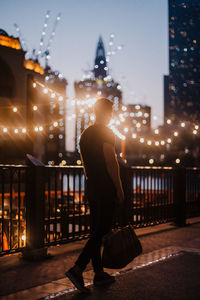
pixel 32 280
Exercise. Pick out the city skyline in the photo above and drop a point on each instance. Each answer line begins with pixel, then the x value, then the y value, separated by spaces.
pixel 140 26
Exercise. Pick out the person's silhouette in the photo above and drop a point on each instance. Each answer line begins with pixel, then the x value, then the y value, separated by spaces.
pixel 103 190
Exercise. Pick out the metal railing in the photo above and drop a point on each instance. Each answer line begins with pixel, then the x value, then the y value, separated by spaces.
pixel 42 206
pixel 152 196
pixel 66 210
pixel 192 199
pixel 12 208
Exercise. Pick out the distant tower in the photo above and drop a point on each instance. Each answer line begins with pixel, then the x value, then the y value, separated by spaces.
pixel 100 66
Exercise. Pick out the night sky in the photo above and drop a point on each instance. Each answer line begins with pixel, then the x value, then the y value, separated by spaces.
pixel 140 25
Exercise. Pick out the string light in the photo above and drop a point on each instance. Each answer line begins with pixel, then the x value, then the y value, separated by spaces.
pixel 55 124
pixel 169 141
pixel 141 140
pixel 151 161
pixel 5 129
pixel 45 90
pixel 16 130
pixel 176 133
pixel 134 135
pixel 89 103
pixel 23 130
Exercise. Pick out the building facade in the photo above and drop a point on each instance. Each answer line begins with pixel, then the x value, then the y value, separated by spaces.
pixel 26 112
pixel 184 62
pixel 100 84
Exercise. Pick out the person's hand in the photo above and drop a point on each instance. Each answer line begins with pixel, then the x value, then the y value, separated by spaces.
pixel 120 195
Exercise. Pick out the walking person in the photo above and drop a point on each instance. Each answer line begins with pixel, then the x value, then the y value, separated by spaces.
pixel 103 190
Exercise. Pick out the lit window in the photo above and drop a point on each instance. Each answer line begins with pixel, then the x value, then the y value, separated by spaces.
pixel 151 161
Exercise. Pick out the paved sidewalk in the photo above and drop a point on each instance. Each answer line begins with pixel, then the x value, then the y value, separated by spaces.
pixel 34 280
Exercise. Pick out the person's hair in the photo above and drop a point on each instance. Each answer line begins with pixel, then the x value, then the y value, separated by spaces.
pixel 102 105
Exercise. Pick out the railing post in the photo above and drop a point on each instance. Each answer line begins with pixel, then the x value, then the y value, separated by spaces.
pixel 126 178
pixel 179 196
pixel 35 193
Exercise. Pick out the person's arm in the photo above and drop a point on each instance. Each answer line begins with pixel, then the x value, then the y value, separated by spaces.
pixel 113 169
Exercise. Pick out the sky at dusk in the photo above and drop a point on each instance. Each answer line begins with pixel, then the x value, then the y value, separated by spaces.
pixel 140 25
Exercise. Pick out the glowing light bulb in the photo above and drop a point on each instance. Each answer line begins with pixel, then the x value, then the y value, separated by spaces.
pixel 196 127
pixel 45 90
pixel 53 95
pixel 55 124
pixel 40 128
pixel 156 131
pixel 194 131
pixel 138 125
pixel 157 143
pixel 149 142
pixel 23 237
pixel 169 141
pixel 141 140
pixel 60 98
pixel 35 107
pixel 169 121
pixel 151 161
pixel 162 142
pixel 36 129
pixel 23 130
pixel 176 133
pixel 34 85
pixel 182 124
pixel 124 108
pixel 15 109
pixel 5 129
pixel 178 161
pixel 125 129
pixel 16 130
pixel 134 135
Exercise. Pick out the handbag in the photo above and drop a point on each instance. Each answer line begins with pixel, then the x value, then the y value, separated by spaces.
pixel 121 246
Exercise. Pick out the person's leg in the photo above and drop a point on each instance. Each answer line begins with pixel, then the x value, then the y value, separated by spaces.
pixel 101 224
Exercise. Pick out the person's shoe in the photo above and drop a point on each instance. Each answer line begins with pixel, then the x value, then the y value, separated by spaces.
pixel 77 280
pixel 103 278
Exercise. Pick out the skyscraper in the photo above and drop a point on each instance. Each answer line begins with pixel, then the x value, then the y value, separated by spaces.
pixel 100 67
pixel 97 85
pixel 184 60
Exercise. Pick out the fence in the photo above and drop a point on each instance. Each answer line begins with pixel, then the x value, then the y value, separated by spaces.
pixel 42 206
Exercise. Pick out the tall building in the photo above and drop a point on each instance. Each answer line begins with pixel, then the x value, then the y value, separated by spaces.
pixel 99 84
pixel 166 97
pixel 31 120
pixel 184 62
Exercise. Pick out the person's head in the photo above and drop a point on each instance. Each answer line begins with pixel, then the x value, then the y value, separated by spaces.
pixel 103 110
